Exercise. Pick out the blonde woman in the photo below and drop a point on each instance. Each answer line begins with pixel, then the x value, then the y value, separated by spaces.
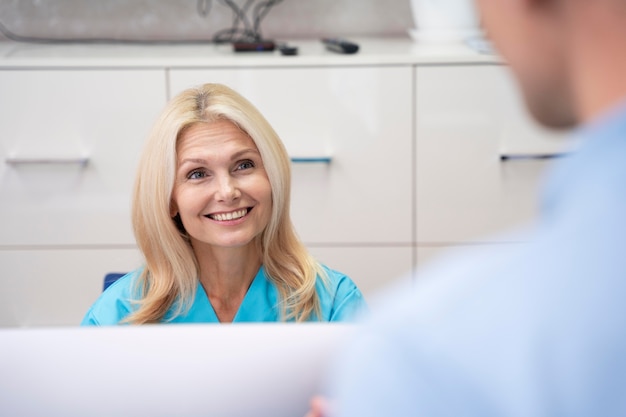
pixel 211 217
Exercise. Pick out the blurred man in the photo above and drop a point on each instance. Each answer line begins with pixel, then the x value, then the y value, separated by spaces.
pixel 540 329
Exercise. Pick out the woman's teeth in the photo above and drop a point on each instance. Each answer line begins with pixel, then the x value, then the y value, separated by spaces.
pixel 233 215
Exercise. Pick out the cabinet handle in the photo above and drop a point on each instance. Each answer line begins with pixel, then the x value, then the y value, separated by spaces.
pixel 16 160
pixel 517 156
pixel 311 160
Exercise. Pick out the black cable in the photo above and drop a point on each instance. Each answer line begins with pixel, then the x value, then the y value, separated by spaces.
pixel 260 11
pixel 234 33
pixel 250 32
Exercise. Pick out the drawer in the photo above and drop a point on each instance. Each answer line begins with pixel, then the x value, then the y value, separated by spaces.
pixel 373 269
pixel 56 287
pixel 359 118
pixel 480 159
pixel 69 144
pixel 443 255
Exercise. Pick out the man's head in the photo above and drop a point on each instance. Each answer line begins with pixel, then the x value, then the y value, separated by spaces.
pixel 532 37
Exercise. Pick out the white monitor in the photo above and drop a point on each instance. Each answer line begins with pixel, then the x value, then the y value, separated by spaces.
pixel 165 370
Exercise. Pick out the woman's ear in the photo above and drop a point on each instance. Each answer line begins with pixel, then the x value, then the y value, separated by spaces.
pixel 173 209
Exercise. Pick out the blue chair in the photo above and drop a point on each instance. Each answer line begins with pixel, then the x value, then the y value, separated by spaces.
pixel 111 277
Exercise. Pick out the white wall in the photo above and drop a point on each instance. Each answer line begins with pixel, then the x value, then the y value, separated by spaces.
pixel 180 20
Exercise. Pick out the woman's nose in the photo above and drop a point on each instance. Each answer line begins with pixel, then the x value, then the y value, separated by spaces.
pixel 227 189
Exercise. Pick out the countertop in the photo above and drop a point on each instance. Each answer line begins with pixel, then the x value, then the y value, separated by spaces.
pixel 401 51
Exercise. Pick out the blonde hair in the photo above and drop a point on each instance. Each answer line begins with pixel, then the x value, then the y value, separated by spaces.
pixel 170 276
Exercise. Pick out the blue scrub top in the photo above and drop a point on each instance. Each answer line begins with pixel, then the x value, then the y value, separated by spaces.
pixel 340 300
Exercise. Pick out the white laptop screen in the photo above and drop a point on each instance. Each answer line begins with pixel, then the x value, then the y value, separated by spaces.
pixel 165 370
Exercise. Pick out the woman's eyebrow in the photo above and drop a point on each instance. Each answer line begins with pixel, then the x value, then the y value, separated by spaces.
pixel 192 161
pixel 233 157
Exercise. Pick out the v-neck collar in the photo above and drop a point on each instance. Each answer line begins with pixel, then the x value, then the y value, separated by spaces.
pixel 259 304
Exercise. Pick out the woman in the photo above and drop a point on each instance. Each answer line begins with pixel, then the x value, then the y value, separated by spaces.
pixel 211 217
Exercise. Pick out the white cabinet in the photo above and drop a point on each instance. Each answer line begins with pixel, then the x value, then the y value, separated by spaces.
pixel 69 142
pixel 372 268
pixel 55 287
pixel 430 257
pixel 468 118
pixel 361 118
pixel 415 142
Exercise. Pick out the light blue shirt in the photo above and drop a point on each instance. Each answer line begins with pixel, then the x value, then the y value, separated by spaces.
pixel 340 300
pixel 536 329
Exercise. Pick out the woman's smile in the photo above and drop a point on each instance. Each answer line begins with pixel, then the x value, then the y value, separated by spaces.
pixel 229 216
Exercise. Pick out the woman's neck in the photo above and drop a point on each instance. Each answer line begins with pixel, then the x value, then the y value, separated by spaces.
pixel 226 275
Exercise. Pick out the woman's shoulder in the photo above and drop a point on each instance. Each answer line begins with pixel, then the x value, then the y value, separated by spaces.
pixel 340 298
pixel 115 303
pixel 336 279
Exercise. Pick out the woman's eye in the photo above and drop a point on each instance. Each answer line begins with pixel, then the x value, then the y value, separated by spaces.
pixel 196 174
pixel 245 165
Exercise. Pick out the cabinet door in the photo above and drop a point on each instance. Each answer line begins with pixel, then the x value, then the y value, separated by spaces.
pixel 360 119
pixel 373 269
pixel 56 287
pixel 443 255
pixel 69 143
pixel 470 123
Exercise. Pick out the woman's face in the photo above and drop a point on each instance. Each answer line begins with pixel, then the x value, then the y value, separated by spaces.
pixel 221 190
